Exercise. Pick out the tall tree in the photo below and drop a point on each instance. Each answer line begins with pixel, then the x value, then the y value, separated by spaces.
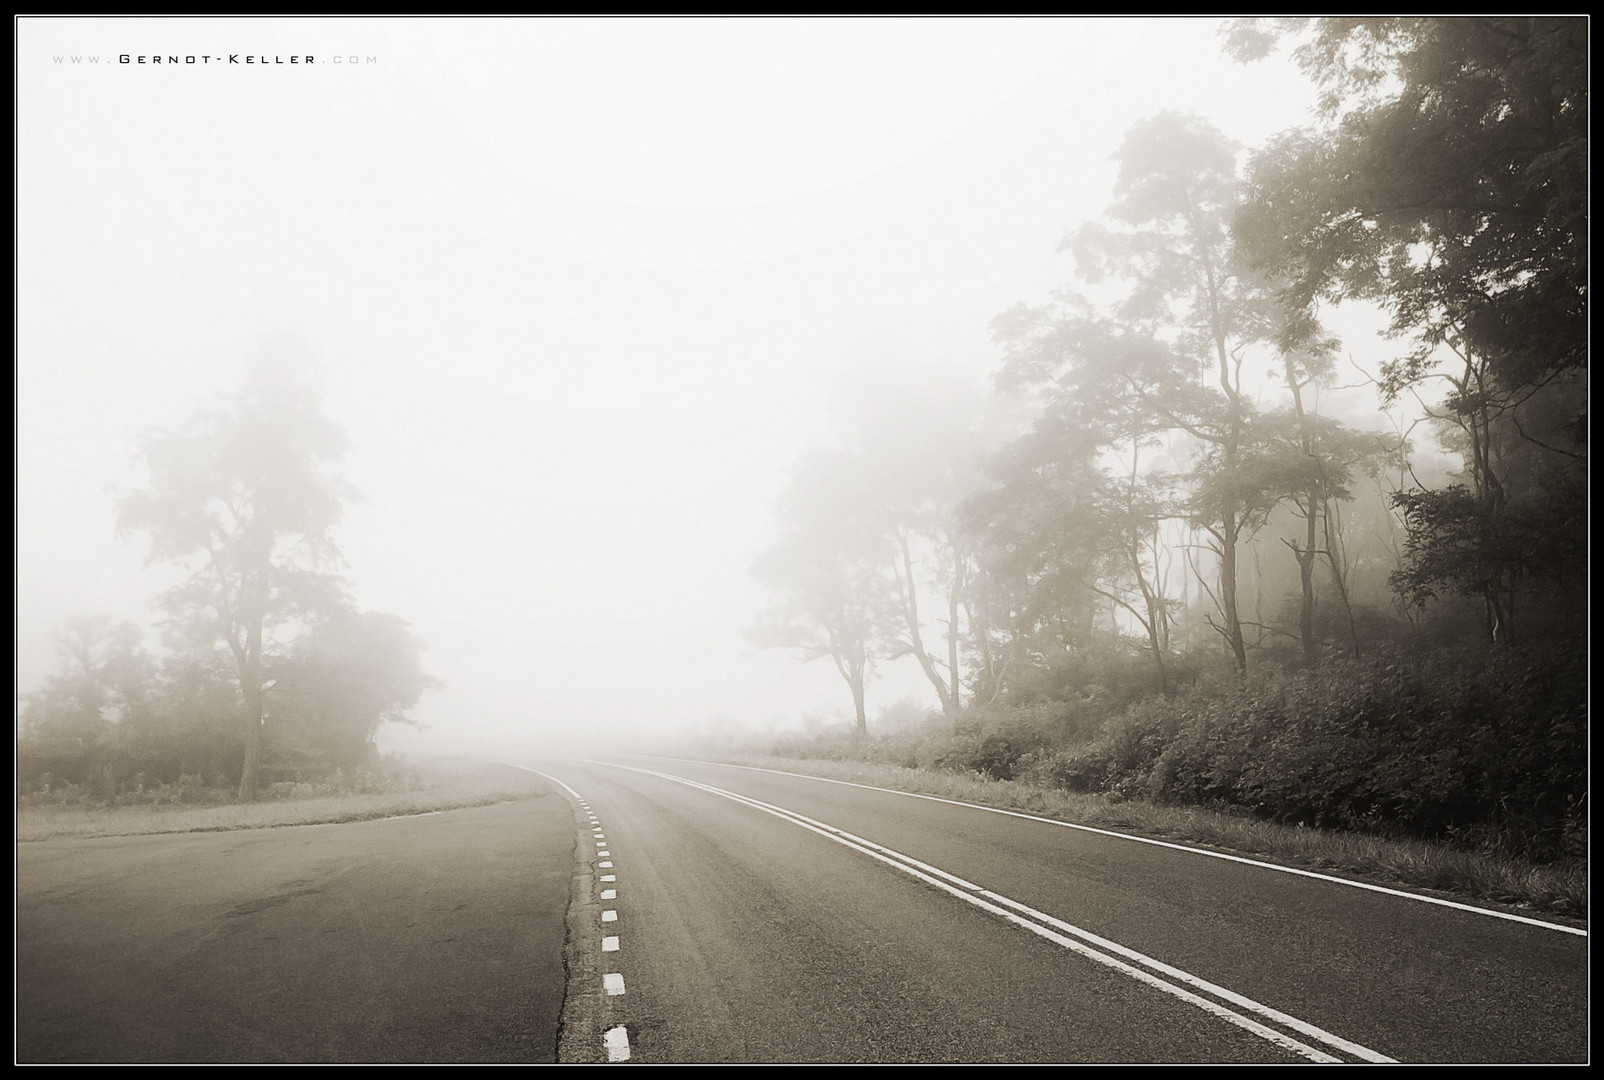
pixel 829 571
pixel 1035 556
pixel 245 499
pixel 1075 503
pixel 1448 182
pixel 922 449
pixel 1168 356
pixel 1167 237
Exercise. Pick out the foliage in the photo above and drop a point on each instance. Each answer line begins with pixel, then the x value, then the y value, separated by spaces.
pixel 269 672
pixel 1449 184
pixel 835 595
pixel 1445 182
pixel 244 500
pixel 1436 746
pixel 343 680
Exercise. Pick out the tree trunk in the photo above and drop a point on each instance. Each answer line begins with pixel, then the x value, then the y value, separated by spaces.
pixel 909 598
pixel 857 702
pixel 1305 557
pixel 960 580
pixel 1233 620
pixel 253 744
pixel 1338 577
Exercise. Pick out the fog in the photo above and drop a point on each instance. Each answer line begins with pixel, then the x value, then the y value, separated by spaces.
pixel 582 294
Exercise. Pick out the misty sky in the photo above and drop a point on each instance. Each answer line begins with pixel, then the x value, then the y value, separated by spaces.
pixel 582 291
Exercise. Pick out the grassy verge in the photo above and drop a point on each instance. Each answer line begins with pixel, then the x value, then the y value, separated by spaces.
pixel 446 788
pixel 1554 889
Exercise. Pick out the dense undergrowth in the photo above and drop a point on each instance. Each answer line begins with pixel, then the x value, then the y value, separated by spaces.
pixel 1480 751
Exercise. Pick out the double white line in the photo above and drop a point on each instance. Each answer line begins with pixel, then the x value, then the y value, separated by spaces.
pixel 1225 1004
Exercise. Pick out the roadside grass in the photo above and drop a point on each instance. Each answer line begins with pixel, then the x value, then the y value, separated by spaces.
pixel 445 786
pixel 1555 888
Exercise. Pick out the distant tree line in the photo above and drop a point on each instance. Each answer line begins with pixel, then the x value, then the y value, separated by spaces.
pixel 270 672
pixel 1173 490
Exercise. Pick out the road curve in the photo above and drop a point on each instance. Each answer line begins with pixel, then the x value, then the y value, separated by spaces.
pixel 727 914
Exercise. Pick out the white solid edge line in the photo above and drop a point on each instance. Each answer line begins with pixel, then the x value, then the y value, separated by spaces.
pixel 617 1042
pixel 976 897
pixel 1177 847
pixel 580 799
pixel 1266 1011
pixel 1160 966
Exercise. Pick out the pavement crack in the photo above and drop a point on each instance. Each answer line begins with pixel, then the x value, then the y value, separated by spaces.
pixel 251 907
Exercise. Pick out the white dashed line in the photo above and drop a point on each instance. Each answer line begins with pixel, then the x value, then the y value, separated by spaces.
pixel 604 854
pixel 617 1040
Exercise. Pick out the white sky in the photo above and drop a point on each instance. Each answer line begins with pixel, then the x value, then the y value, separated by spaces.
pixel 582 290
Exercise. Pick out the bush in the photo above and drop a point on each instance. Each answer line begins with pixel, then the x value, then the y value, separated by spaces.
pixel 1485 749
pixel 1454 746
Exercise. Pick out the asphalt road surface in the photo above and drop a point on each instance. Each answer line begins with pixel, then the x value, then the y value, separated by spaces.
pixel 732 914
pixel 659 910
pixel 435 938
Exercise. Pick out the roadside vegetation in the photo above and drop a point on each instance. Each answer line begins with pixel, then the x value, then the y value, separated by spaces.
pixel 1450 771
pixel 271 682
pixel 394 787
pixel 1200 562
pixel 1488 875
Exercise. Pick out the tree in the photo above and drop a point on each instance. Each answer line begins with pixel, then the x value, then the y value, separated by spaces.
pixel 1187 307
pixel 69 725
pixel 245 500
pixel 921 448
pixel 1072 513
pixel 1034 555
pixel 829 569
pixel 1168 236
pixel 342 680
pixel 1448 183
pixel 105 674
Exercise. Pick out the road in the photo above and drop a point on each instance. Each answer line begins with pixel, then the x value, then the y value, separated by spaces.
pixel 659 910
pixel 732 914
